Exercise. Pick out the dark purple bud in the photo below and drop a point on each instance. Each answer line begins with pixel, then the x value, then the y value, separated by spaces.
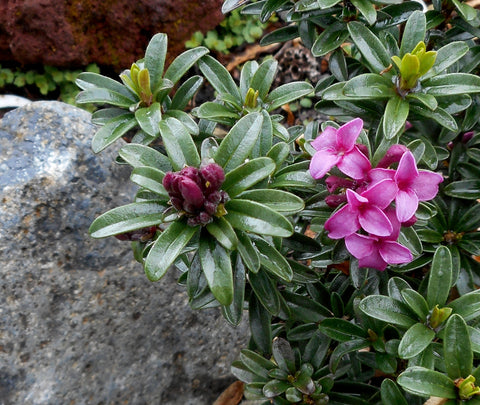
pixel 334 182
pixel 177 203
pixel 393 155
pixel 213 176
pixel 210 207
pixel 334 200
pixel 225 197
pixel 191 193
pixel 467 136
pixel 168 181
pixel 410 222
pixel 408 125
pixel 192 173
pixel 362 148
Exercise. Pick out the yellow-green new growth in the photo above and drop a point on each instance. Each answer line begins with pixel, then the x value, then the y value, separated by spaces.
pixel 414 65
pixel 467 388
pixel 138 80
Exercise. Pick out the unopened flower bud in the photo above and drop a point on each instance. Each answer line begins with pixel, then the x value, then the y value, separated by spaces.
pixel 191 193
pixel 334 182
pixel 467 136
pixel 334 200
pixel 213 176
pixel 467 388
pixel 410 222
pixel 138 235
pixel 393 155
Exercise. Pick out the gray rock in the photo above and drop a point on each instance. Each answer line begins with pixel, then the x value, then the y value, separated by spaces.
pixel 79 321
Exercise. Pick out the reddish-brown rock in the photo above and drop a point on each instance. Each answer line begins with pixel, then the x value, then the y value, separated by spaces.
pixel 71 33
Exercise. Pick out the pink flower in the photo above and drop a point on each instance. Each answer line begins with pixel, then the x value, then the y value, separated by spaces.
pixel 364 211
pixel 336 147
pixel 413 185
pixel 378 252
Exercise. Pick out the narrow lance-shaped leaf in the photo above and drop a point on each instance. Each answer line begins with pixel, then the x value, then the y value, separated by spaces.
pixel 223 233
pixel 440 278
pixel 167 248
pixel 272 260
pixel 183 62
pixel 263 77
pixel 155 59
pixel 233 312
pixel 457 348
pixel 151 179
pixel 414 32
pixel 98 95
pixel 140 155
pixel 396 113
pixel 86 80
pixel 218 76
pixel 217 268
pixel 112 131
pixel 287 93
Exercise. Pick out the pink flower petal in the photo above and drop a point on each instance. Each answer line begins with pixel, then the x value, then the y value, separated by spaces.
pixel 394 253
pixel 359 245
pixel 392 216
pixel 374 221
pixel 376 175
pixel 354 164
pixel 348 133
pixel 406 204
pixel 342 223
pixel 426 184
pixel 374 261
pixel 355 200
pixel 382 193
pixel 326 140
pixel 321 163
pixel 406 171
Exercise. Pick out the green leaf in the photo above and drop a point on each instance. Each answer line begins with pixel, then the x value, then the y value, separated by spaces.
pixel 278 200
pixel 88 80
pixel 287 93
pixel 180 147
pixel 416 339
pixel 248 252
pixel 104 96
pixel 260 321
pixel 467 189
pixel 113 130
pixel 369 86
pixel 263 77
pixel 140 155
pixel 127 218
pixel 414 32
pixel 167 248
pixel 440 277
pixel 370 47
pixel 155 59
pixel 258 364
pixel 391 394
pixel 217 267
pixel 282 34
pixel 223 233
pixel 396 113
pixel 233 312
pixel 215 111
pixel 253 217
pixel 457 348
pixel 183 62
pixel 426 99
pixel 235 148
pixel 424 382
pixel 218 77
pixel 388 310
pixel 272 260
pixel 470 220
pixel 246 175
pixel 266 291
pixel 187 121
pixel 467 306
pixel 149 119
pixel 446 56
pixel 439 115
pixel 151 179
pixel 344 348
pixel 452 84
pixel 283 355
pixel 330 39
pixel 274 388
pixel 367 9
pixel 416 302
pixel 185 93
pixel 467 12
pixel 243 373
pixel 341 329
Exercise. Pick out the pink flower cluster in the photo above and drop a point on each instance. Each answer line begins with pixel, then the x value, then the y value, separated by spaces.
pixel 378 200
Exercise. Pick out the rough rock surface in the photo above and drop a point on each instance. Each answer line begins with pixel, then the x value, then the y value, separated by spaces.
pixel 115 33
pixel 79 321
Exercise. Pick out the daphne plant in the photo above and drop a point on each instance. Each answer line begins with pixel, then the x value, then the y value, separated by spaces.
pixel 351 241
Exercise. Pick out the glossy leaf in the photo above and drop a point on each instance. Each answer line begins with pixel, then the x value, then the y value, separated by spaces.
pixel 416 302
pixel 440 277
pixel 151 179
pixel 217 267
pixel 452 84
pixel 341 329
pixel 287 93
pixel 330 39
pixel 266 291
pixel 127 218
pixel 185 93
pixel 246 175
pixel 257 218
pixel 187 121
pixel 280 201
pixel 149 119
pixel 155 55
pixel 272 260
pixel 183 62
pixel 424 382
pixel 218 76
pixel 388 310
pixel 167 248
pixel 367 9
pixel 223 232
pixel 263 77
pixel 260 328
pixel 396 113
pixel 457 348
pixel 179 144
pixel 235 148
pixel 467 189
pixel 112 131
pixel 344 348
pixel 415 340
pixel 446 56
pixel 467 306
pixel 233 313
pixel 88 80
pixel 391 394
pixel 141 155
pixel 439 115
pixel 369 86
pixel 414 32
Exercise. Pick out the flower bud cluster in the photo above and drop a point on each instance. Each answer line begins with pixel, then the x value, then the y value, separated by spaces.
pixel 196 192
pixel 379 201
